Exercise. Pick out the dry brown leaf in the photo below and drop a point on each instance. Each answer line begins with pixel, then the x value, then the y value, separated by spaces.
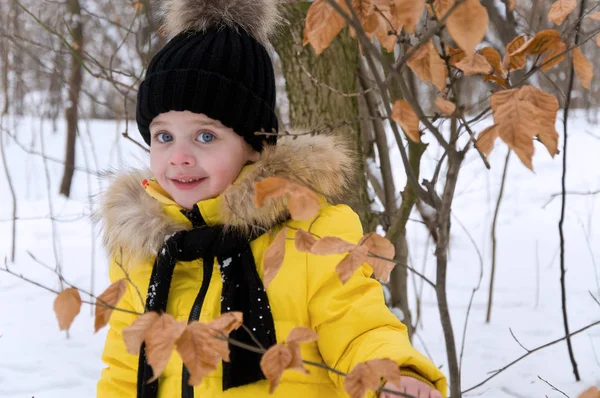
pixel 134 335
pixel 476 64
pixel 352 262
pixel 302 335
pixel 456 55
pixel 486 139
pixel 583 68
pixel 274 362
pixel 387 369
pixel 595 16
pixel 381 247
pixel 546 42
pixel 406 13
pixel 512 4
pixel 269 188
pixel 403 114
pixel 200 351
pixel 160 342
pixel 303 203
pixel 493 57
pixel 331 245
pixel 560 10
pixel 517 61
pixel 467 24
pixel 496 79
pixel 598 39
pixel 427 64
pixel 273 258
pixel 304 241
pixel 591 392
pixel 547 106
pixel 227 322
pixel 445 106
pixel 384 17
pixel 66 307
pixel 322 25
pixel 440 7
pixel 360 380
pixel 368 19
pixel 107 301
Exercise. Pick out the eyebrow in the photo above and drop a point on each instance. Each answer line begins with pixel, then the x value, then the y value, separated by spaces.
pixel 203 123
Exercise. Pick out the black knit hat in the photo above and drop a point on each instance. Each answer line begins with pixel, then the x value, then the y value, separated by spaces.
pixel 217 64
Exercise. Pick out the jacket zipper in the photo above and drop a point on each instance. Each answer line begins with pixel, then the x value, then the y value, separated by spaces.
pixel 187 391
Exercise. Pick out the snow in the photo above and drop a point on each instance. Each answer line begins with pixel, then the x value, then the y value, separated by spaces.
pixel 38 360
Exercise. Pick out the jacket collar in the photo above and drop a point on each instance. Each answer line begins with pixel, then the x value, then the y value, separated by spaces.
pixel 135 217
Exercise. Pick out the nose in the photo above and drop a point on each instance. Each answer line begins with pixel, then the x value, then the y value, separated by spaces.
pixel 182 155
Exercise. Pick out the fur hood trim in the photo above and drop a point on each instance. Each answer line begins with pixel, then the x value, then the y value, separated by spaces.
pixel 137 224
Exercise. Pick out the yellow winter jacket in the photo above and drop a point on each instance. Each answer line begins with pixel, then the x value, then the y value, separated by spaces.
pixel 351 319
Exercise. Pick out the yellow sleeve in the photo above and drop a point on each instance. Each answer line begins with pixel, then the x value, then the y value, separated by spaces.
pixel 352 320
pixel 119 378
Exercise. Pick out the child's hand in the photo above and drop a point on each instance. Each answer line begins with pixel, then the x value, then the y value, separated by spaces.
pixel 413 387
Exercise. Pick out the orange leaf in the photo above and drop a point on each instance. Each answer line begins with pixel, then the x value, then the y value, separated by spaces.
pixel 445 106
pixel 227 322
pixel 474 65
pixel 134 335
pixel 381 247
pixel 322 25
pixel 512 4
pixel 107 301
pixel 273 258
pixel 366 15
pixel 160 342
pixel 403 114
pixel 560 10
pixel 303 204
pixel 456 55
pixel 304 241
pixel 427 64
pixel 486 139
pixel 384 18
pixel 595 16
pixel 493 57
pixel 406 13
pixel 440 7
pixel 547 106
pixel 302 335
pixel 66 307
pixel 591 392
pixel 269 188
pixel 331 245
pixel 387 369
pixel 583 68
pixel 517 61
pixel 496 79
pixel 360 380
pixel 467 24
pixel 274 362
pixel 200 351
pixel 544 42
pixel 352 262
pixel 598 39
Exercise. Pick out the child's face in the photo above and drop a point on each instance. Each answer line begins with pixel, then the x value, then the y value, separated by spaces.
pixel 194 157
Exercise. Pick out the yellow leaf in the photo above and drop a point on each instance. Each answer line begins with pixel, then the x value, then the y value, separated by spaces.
pixel 66 307
pixel 560 10
pixel 406 13
pixel 403 114
pixel 467 24
pixel 474 65
pixel 331 245
pixel 201 351
pixel 493 57
pixel 583 68
pixel 486 139
pixel 107 301
pixel 381 247
pixel 350 263
pixel 323 23
pixel 134 335
pixel 517 61
pixel 160 342
pixel 445 106
pixel 304 241
pixel 273 258
pixel 274 362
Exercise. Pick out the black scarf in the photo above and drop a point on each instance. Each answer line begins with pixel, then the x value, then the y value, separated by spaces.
pixel 243 291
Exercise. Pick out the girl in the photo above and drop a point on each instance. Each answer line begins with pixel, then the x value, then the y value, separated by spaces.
pixel 192 241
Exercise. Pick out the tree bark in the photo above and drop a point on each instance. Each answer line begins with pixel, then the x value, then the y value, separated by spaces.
pixel 75 80
pixel 312 104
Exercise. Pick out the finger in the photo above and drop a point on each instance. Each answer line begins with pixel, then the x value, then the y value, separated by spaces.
pixel 435 394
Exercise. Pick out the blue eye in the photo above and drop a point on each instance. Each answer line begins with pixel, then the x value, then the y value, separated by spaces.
pixel 206 137
pixel 164 137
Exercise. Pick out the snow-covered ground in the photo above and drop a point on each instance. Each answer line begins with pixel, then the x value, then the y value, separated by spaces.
pixel 37 360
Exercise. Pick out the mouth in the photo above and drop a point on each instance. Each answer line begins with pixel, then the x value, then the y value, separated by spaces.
pixel 187 183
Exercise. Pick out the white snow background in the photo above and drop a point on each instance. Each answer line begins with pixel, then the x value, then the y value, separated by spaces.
pixel 36 360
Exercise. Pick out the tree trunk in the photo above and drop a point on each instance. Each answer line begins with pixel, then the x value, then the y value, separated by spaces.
pixel 75 81
pixel 312 104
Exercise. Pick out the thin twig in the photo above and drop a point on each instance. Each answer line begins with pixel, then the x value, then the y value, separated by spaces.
pixel 554 388
pixel 517 340
pixel 128 278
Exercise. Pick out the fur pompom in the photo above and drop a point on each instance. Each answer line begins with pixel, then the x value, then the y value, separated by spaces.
pixel 257 17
